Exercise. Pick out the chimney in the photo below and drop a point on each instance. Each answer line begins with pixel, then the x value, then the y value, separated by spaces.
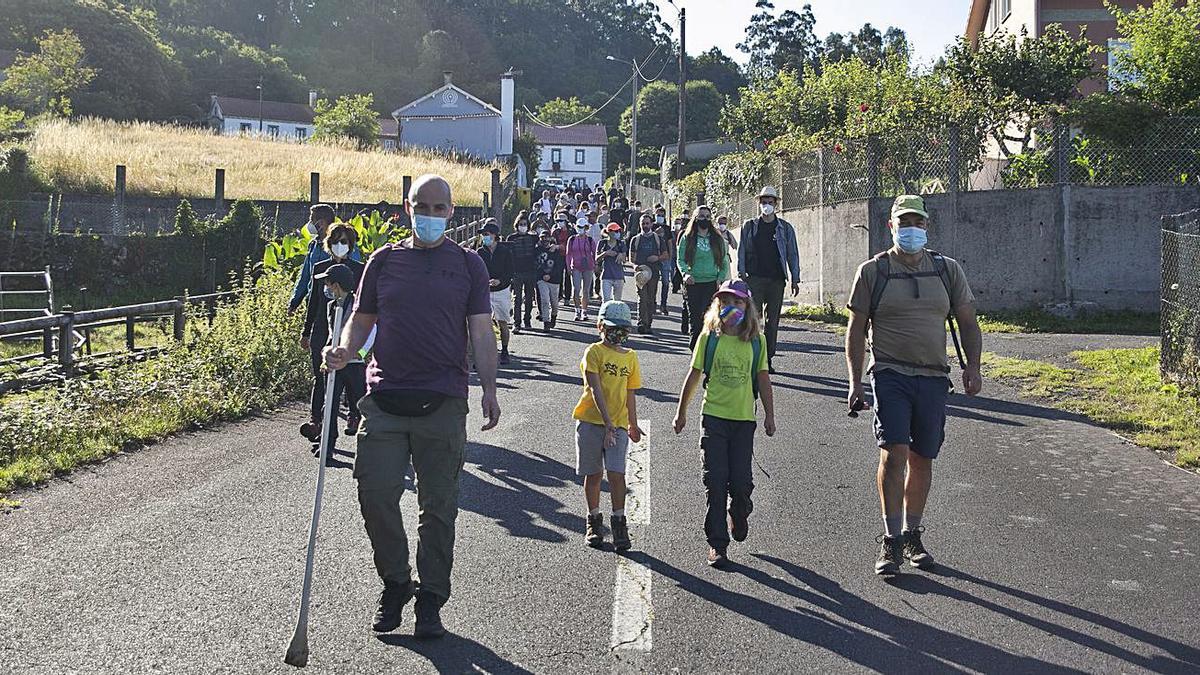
pixel 312 98
pixel 448 76
pixel 507 95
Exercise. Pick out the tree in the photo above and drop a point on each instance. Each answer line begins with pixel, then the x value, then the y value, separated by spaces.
pixel 1162 64
pixel 658 116
pixel 784 42
pixel 714 66
pixel 867 44
pixel 560 112
pixel 1019 80
pixel 43 83
pixel 348 117
pixel 220 63
pixel 527 148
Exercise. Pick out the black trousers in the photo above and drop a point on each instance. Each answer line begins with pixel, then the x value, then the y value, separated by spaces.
pixel 699 296
pixel 524 295
pixel 646 297
pixel 564 288
pixel 768 295
pixel 317 401
pixel 728 447
pixel 351 379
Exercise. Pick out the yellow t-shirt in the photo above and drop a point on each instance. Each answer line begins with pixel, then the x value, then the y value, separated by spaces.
pixel 619 374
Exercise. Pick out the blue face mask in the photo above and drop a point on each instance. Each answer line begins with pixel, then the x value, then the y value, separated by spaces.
pixel 911 239
pixel 488 239
pixel 428 228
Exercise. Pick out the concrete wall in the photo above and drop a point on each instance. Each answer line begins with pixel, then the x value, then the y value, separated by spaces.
pixel 1020 248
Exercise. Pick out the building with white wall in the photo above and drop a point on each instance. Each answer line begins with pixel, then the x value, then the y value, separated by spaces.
pixel 576 154
pixel 450 119
pixel 276 119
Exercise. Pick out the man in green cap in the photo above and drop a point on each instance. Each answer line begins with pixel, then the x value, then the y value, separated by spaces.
pixel 900 301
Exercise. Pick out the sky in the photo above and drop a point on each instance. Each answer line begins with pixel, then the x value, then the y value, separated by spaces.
pixel 930 24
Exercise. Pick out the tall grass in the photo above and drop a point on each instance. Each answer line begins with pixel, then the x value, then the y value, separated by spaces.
pixel 171 161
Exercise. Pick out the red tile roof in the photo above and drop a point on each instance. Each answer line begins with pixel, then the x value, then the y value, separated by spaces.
pixel 583 134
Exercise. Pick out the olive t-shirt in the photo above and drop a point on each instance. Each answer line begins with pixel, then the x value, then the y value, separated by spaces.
pixel 908 333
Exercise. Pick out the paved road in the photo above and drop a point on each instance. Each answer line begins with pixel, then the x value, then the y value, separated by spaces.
pixel 1063 549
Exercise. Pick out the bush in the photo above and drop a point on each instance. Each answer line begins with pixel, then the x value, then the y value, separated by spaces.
pixel 245 363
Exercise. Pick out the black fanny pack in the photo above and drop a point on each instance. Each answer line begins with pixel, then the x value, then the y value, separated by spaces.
pixel 408 402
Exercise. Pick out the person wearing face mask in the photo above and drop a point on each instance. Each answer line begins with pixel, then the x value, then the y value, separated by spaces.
pixel 610 256
pixel 581 261
pixel 899 305
pixel 562 233
pixel 550 266
pixel 596 232
pixel 426 297
pixel 340 280
pixel 320 217
pixel 723 228
pixel 523 245
pixel 340 241
pixel 499 261
pixel 730 362
pixel 703 264
pixel 668 261
pixel 767 253
pixel 647 249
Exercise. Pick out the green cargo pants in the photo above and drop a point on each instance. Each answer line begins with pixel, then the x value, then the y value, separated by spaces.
pixel 434 444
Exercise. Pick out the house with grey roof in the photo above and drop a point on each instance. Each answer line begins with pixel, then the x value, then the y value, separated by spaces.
pixel 576 154
pixel 450 119
pixel 277 119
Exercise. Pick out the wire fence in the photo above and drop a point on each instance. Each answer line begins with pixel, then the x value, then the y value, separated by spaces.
pixel 1180 361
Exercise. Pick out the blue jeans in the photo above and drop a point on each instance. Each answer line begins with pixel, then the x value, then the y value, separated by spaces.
pixel 668 271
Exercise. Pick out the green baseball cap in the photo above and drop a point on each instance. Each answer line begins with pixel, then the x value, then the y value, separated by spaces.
pixel 909 204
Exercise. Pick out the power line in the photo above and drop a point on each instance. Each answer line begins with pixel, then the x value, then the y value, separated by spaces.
pixel 637 73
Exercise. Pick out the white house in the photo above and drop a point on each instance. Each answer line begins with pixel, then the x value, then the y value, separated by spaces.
pixel 232 116
pixel 576 154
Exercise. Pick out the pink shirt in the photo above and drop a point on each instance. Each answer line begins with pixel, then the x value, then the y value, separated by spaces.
pixel 581 253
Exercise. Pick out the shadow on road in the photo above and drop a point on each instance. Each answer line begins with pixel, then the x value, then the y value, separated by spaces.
pixel 454 654
pixel 516 503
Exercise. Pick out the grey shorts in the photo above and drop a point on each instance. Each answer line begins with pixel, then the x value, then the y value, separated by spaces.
pixel 591 456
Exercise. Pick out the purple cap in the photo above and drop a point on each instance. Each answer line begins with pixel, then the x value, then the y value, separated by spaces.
pixel 734 287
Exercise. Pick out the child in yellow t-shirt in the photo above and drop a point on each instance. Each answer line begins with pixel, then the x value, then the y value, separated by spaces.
pixel 605 423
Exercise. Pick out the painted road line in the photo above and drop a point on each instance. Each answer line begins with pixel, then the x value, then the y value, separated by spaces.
pixel 633 602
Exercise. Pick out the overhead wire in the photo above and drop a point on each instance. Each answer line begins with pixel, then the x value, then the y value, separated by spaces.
pixel 637 72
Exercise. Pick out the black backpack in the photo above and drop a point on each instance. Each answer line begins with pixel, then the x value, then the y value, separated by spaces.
pixel 884 274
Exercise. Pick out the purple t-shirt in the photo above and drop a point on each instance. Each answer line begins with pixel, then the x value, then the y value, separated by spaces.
pixel 422 298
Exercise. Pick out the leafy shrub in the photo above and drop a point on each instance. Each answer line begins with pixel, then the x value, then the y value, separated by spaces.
pixel 286 254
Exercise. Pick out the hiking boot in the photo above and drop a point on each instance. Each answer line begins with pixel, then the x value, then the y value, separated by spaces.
pixel 665 311
pixel 352 424
pixel 429 617
pixel 595 531
pixel 914 551
pixel 392 600
pixel 739 526
pixel 620 532
pixel 717 558
pixel 504 357
pixel 891 552
pixel 516 329
pixel 311 431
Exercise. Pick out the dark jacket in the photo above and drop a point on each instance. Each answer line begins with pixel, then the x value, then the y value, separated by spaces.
pixel 499 264
pixel 314 325
pixel 785 241
pixel 524 249
pixel 552 263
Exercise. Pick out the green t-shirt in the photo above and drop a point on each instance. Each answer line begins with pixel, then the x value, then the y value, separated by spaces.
pixel 730 393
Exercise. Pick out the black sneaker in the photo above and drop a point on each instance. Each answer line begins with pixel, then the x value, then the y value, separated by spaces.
pixel 429 617
pixel 504 357
pixel 739 527
pixel 516 329
pixel 717 558
pixel 391 603
pixel 620 532
pixel 311 431
pixel 891 552
pixel 914 551
pixel 595 531
pixel 352 424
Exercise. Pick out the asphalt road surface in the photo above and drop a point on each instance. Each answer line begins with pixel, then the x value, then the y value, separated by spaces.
pixel 1062 548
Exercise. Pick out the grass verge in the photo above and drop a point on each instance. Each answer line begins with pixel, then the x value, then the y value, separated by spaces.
pixel 1024 321
pixel 243 364
pixel 177 162
pixel 1120 389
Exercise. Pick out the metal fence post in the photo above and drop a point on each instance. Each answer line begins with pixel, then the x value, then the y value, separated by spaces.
pixel 406 185
pixel 314 187
pixel 179 317
pixel 955 157
pixel 872 166
pixel 66 343
pixel 118 208
pixel 219 193
pixel 497 197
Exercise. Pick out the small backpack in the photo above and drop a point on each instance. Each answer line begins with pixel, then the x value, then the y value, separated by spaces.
pixel 883 272
pixel 710 353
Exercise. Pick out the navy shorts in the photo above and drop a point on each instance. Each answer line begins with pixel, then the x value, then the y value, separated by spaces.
pixel 910 410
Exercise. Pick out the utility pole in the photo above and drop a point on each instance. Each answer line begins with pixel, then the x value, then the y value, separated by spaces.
pixel 260 115
pixel 633 139
pixel 682 149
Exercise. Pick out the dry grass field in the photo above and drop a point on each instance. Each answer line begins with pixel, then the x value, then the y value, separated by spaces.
pixel 173 161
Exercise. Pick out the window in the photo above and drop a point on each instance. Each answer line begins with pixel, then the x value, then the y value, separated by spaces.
pixel 301 133
pixel 273 130
pixel 1116 74
pixel 556 155
pixel 1005 8
pixel 245 128
pixel 579 156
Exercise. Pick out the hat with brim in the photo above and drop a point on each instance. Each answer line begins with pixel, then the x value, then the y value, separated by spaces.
pixel 734 287
pixel 768 191
pixel 909 204
pixel 616 313
pixel 338 274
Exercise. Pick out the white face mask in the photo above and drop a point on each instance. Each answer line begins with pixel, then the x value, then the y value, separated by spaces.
pixel 767 209
pixel 340 250
pixel 311 229
pixel 722 227
pixel 522 229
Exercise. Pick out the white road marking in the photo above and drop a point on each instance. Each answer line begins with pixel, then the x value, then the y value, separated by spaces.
pixel 633 602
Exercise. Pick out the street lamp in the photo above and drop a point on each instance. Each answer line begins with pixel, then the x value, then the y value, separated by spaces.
pixel 260 115
pixel 633 137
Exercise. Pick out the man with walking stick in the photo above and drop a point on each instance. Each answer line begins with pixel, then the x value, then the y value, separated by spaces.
pixel 425 296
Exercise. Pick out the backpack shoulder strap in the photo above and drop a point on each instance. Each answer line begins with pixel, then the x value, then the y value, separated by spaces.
pixel 710 353
pixel 883 270
pixel 756 347
pixel 942 269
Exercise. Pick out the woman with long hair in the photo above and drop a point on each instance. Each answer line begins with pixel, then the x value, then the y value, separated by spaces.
pixel 703 263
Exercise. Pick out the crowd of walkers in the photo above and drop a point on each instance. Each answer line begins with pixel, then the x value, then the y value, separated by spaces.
pixel 569 250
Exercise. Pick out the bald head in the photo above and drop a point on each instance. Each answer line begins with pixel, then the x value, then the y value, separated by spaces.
pixel 430 196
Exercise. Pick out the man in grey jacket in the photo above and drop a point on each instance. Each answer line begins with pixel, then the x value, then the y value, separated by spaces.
pixel 767 253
